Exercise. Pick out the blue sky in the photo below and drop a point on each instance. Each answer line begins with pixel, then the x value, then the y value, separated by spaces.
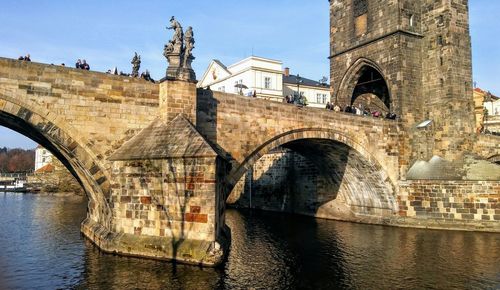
pixel 107 33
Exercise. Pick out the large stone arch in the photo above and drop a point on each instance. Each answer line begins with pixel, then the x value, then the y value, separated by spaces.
pixel 356 177
pixel 350 87
pixel 495 159
pixel 50 131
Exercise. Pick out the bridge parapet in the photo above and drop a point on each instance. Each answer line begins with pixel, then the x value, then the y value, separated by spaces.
pixel 245 128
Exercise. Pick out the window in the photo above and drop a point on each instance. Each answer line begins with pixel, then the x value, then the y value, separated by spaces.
pixel 440 40
pixel 222 89
pixel 321 98
pixel 360 7
pixel 360 17
pixel 236 89
pixel 412 20
pixel 440 20
pixel 267 82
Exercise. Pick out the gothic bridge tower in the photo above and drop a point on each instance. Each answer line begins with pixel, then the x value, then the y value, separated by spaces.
pixel 410 57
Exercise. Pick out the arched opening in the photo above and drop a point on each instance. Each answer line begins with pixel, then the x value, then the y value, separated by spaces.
pixel 14 123
pixel 371 91
pixel 67 151
pixel 364 84
pixel 495 159
pixel 315 177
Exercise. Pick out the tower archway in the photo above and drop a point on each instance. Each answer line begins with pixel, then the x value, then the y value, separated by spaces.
pixel 364 84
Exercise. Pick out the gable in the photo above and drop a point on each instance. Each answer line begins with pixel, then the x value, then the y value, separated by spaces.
pixel 215 72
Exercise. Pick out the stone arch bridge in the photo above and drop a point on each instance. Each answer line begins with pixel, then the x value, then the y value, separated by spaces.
pixel 158 161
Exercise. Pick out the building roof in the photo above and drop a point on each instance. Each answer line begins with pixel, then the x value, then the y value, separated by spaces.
pixel 220 63
pixel 46 169
pixel 161 139
pixel 493 97
pixel 292 79
pixel 253 57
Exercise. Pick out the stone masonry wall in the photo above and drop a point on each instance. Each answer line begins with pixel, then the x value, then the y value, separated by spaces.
pixel 99 110
pixel 247 128
pixel 447 76
pixel 167 198
pixel 452 201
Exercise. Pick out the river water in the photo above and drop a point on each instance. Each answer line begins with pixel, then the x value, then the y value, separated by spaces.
pixel 41 248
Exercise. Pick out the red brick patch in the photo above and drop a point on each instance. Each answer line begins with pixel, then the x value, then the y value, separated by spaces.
pixel 195 209
pixel 196 218
pixel 146 199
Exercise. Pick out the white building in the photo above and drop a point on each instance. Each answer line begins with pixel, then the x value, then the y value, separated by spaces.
pixel 492 105
pixel 263 78
pixel 42 157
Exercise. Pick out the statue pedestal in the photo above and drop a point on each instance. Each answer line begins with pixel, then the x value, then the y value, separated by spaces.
pixel 187 72
pixel 177 70
pixel 174 67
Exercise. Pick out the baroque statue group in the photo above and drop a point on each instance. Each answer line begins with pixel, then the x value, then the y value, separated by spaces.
pixel 178 52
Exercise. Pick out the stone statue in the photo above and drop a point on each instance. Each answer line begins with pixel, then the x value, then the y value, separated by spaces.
pixel 169 48
pixel 136 62
pixel 178 52
pixel 188 46
pixel 178 35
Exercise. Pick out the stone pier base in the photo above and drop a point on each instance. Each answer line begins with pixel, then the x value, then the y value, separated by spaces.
pixel 186 251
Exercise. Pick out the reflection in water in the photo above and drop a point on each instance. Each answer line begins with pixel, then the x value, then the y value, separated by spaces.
pixel 41 248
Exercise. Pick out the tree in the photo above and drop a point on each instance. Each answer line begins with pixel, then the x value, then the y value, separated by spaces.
pixel 16 160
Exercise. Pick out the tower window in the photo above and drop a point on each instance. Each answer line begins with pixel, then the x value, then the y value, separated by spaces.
pixel 440 40
pixel 360 7
pixel 360 16
pixel 441 20
pixel 412 20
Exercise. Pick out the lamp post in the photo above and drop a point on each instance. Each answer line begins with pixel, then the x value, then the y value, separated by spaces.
pixel 299 80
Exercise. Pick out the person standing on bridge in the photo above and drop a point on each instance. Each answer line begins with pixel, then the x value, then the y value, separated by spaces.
pixel 85 65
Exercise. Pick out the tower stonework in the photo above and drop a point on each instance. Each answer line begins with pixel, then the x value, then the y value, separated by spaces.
pixel 415 57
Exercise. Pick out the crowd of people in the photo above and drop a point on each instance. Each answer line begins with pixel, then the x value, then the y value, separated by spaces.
pixel 360 110
pixel 82 64
pixel 297 100
pixel 25 58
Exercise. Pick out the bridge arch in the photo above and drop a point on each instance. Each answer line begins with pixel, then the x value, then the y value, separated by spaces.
pixel 356 181
pixel 365 82
pixel 45 128
pixel 495 159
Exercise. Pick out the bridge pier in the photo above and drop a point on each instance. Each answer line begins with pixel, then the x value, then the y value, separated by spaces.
pixel 167 189
pixel 169 208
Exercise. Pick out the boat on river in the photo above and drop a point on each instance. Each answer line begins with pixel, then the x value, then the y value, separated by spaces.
pixel 16 185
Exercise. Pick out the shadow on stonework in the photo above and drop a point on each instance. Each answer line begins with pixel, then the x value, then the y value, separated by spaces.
pixel 206 122
pixel 315 177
